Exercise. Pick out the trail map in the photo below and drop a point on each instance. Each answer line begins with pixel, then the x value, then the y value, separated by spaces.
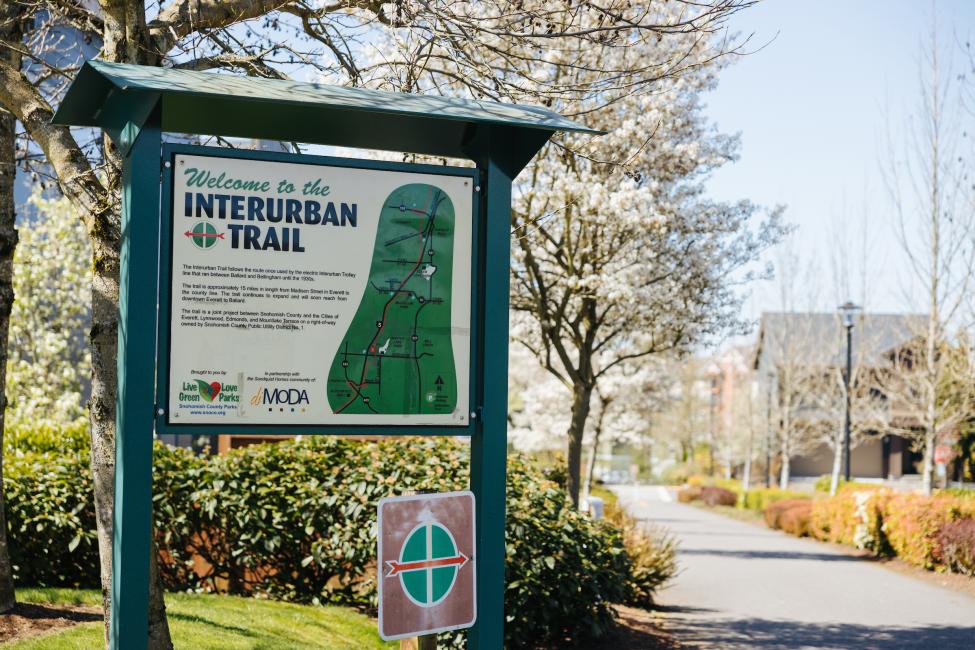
pixel 396 357
pixel 311 294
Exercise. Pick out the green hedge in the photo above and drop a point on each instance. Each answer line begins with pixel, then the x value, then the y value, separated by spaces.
pixel 758 499
pixel 296 521
pixel 51 520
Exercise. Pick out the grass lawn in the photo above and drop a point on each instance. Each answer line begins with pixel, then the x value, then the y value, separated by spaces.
pixel 207 622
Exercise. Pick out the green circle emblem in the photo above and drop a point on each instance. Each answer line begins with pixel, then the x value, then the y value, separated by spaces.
pixel 204 235
pixel 431 547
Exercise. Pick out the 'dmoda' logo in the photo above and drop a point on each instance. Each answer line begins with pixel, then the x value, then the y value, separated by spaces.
pixel 209 391
pixel 204 235
pixel 291 398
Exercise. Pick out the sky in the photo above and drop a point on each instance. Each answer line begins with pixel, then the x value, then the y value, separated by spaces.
pixel 815 109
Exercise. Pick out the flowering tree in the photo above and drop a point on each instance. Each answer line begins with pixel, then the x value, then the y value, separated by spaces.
pixel 496 48
pixel 49 363
pixel 619 254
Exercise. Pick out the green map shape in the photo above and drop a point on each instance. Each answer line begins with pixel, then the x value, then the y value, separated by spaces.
pixel 416 583
pixel 397 356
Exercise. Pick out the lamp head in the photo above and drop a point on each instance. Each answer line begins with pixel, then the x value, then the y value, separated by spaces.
pixel 847 311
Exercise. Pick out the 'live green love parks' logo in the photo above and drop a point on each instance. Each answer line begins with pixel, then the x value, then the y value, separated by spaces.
pixel 202 391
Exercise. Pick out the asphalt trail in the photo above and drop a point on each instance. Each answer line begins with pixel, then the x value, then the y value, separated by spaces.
pixel 742 586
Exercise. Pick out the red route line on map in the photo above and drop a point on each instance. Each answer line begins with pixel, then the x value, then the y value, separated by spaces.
pixel 365 363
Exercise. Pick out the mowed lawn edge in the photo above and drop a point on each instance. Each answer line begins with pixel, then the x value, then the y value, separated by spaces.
pixel 214 622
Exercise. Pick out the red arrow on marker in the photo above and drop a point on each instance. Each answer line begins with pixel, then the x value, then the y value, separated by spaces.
pixel 205 234
pixel 396 568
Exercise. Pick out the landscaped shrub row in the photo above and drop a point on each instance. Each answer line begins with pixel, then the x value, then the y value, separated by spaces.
pixel 296 521
pixel 936 532
pixel 790 515
pixel 708 494
pixel 957 541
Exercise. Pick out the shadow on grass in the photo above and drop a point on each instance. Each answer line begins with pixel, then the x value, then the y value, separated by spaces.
pixel 38 612
pixel 193 618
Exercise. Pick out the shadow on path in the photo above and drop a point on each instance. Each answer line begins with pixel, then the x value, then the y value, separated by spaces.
pixel 772 555
pixel 767 634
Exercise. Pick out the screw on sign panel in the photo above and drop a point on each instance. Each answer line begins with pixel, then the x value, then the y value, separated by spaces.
pixel 426 551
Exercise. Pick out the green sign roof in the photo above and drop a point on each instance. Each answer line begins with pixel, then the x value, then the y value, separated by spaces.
pixel 220 104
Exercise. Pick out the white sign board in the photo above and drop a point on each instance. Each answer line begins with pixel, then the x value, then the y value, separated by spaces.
pixel 305 294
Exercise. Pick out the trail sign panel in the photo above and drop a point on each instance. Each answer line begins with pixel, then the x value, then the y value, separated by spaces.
pixel 134 105
pixel 426 564
pixel 305 294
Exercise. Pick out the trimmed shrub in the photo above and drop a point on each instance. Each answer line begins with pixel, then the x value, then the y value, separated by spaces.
pixel 689 493
pixel 718 496
pixel 758 499
pixel 697 480
pixel 51 520
pixel 957 542
pixel 823 482
pixel 789 515
pixel 795 520
pixel 296 521
pixel 912 524
pixel 834 519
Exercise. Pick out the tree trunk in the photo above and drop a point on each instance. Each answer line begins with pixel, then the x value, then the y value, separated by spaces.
pixel 101 406
pixel 834 479
pixel 927 478
pixel 595 448
pixel 581 396
pixel 9 32
pixel 784 475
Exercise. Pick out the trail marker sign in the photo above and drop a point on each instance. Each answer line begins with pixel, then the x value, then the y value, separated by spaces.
pixel 427 565
pixel 461 390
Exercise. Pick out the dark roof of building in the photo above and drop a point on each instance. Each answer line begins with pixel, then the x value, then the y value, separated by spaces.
pixel 819 339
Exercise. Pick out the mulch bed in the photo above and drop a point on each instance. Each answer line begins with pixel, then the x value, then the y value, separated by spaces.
pixel 639 629
pixel 31 620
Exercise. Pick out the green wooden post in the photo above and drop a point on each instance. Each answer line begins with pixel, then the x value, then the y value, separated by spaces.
pixel 132 528
pixel 489 444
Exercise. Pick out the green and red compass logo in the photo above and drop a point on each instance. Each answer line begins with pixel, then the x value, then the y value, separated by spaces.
pixel 428 564
pixel 203 235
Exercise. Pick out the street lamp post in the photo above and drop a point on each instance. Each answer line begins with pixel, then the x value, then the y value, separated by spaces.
pixel 847 312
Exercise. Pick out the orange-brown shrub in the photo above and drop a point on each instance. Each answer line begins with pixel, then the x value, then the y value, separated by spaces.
pixel 791 516
pixel 718 496
pixel 912 524
pixel 957 542
pixel 835 519
pixel 689 493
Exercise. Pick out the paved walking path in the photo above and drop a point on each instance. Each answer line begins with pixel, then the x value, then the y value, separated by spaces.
pixel 742 586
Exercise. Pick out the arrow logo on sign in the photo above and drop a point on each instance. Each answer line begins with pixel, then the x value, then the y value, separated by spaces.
pixel 396 568
pixel 204 234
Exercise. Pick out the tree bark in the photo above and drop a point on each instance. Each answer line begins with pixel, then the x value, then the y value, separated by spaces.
pixel 10 31
pixel 834 480
pixel 784 475
pixel 581 404
pixel 595 444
